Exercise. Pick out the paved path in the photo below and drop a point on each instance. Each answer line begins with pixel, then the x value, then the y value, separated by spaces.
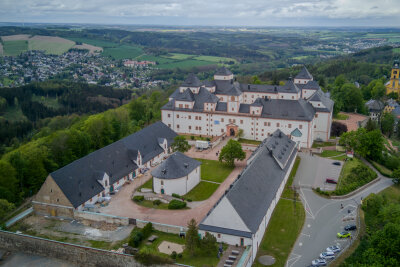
pixel 324 217
pixel 122 205
pixel 352 121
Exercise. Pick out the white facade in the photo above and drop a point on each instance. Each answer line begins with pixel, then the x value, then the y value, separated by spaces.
pixel 180 186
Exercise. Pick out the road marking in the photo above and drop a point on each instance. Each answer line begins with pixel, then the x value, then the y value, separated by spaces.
pixel 305 234
pixel 307 208
pixel 300 244
pixel 308 225
pixel 295 258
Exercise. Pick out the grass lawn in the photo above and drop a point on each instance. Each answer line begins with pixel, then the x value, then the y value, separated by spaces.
pixel 346 180
pixel 288 192
pixel 178 56
pixel 331 153
pixel 322 144
pixel 123 51
pixel 213 170
pixel 148 184
pixel 202 191
pixel 248 141
pixel 341 116
pixel 283 228
pixel 14 48
pixel 55 48
pixel 149 204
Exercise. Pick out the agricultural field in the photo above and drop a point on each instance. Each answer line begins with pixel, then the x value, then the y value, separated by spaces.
pixel 215 59
pixel 396 50
pixel 14 48
pixel 94 42
pixel 189 63
pixel 123 51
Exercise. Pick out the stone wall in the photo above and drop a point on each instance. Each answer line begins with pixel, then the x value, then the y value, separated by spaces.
pixel 174 229
pixel 100 217
pixel 75 254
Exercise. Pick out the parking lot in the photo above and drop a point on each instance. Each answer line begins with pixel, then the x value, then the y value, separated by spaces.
pixel 315 170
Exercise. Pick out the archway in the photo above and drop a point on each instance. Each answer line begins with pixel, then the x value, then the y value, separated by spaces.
pixel 231 132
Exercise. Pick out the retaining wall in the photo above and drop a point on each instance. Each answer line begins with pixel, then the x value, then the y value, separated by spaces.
pixel 101 217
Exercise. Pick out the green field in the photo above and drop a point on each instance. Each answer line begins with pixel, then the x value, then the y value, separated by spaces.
pixel 213 170
pixel 396 50
pixel 189 63
pixel 94 42
pixel 215 59
pixel 202 191
pixel 123 51
pixel 178 56
pixel 55 48
pixel 14 48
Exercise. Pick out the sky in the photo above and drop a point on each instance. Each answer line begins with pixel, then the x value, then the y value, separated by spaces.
pixel 331 13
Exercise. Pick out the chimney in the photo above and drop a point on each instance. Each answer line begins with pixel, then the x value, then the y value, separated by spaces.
pixel 186 165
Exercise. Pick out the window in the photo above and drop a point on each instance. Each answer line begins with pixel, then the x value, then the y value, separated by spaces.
pixel 177 116
pixel 169 125
pixel 169 115
pixel 190 127
pixel 58 200
pixel 265 123
pixel 180 106
pixel 222 130
pixel 316 115
pixel 241 121
pixel 300 126
pixel 51 190
pixel 199 128
pixel 177 126
pixel 315 126
pixel 277 124
pixel 281 96
pixel 292 97
pixel 162 182
pixel 219 235
pixel 190 117
pixel 289 125
pixel 233 109
pixel 222 119
pixel 186 106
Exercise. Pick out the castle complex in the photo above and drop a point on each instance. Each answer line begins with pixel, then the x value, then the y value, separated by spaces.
pixel 393 86
pixel 300 109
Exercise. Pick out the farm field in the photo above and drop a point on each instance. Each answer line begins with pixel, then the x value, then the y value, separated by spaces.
pixel 189 63
pixel 56 48
pixel 14 48
pixel 123 51
pixel 94 42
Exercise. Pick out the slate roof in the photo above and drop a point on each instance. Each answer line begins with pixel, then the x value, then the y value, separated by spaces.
pixel 304 74
pixel 227 88
pixel 191 81
pixel 289 87
pixel 287 109
pixel 223 72
pixel 255 188
pixel 310 85
pixel 319 96
pixel 374 105
pixel 78 180
pixel 175 166
pixel 187 95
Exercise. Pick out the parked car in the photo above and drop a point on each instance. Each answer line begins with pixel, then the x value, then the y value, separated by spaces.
pixel 318 262
pixel 333 249
pixel 337 163
pixel 343 234
pixel 327 255
pixel 330 181
pixel 350 227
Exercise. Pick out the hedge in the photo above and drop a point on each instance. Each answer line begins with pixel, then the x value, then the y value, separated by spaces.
pixel 176 204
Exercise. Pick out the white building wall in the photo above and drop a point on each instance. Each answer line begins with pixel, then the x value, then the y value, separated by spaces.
pixel 322 129
pixel 301 81
pixel 307 93
pixel 179 186
pixel 223 78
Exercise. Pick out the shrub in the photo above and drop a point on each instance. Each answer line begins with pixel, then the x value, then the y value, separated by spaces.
pixel 156 202
pixel 138 198
pixel 176 195
pixel 189 200
pixel 173 255
pixel 146 257
pixel 176 204
pixel 192 137
pixel 135 238
pixel 208 139
pixel 180 255
pixel 147 229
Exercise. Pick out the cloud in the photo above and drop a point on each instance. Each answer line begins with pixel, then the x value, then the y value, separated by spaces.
pixel 220 11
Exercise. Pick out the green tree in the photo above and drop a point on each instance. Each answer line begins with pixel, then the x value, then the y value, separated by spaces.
pixel 5 207
pixel 371 125
pixel 209 244
pixel 231 151
pixel 396 176
pixel 192 237
pixel 8 182
pixel 180 144
pixel 387 123
pixel 379 90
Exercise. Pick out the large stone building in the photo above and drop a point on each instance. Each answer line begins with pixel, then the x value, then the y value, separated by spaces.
pixel 393 86
pixel 211 108
pixel 242 214
pixel 94 176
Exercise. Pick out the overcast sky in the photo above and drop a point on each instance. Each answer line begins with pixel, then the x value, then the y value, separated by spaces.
pixel 206 12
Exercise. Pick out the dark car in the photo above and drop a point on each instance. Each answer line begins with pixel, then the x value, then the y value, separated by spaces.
pixel 330 181
pixel 337 163
pixel 350 227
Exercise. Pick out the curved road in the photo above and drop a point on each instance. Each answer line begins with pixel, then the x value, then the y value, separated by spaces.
pixel 324 217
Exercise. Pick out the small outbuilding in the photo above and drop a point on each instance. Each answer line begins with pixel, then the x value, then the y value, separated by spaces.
pixel 177 174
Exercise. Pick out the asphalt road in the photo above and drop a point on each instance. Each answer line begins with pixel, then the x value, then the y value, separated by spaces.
pixel 324 217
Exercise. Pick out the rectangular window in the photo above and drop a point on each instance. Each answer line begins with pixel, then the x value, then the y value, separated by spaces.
pixel 277 124
pixel 190 117
pixel 300 126
pixel 186 106
pixel 169 115
pixel 177 126
pixel 315 126
pixel 316 115
pixel 169 125
pixel 177 116
pixel 241 121
pixel 265 123
pixel 219 235
pixel 162 182
pixel 222 130
pixel 190 127
pixel 222 119
pixel 180 106
pixel 289 126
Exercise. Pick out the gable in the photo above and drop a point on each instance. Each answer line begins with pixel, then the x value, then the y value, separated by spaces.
pixel 51 193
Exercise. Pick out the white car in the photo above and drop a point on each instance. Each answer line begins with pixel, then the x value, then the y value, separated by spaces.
pixel 318 262
pixel 327 255
pixel 333 249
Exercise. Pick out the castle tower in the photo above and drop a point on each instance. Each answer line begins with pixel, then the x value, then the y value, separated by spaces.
pixel 393 85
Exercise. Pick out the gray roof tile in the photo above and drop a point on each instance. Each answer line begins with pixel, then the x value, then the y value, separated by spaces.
pixel 175 166
pixel 304 74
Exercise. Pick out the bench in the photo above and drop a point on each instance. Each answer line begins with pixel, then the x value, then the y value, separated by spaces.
pixel 152 238
pixel 231 257
pixel 229 262
pixel 235 252
pixel 227 265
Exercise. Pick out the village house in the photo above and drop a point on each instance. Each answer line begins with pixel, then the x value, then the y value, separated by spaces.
pixel 177 174
pixel 93 177
pixel 300 109
pixel 241 215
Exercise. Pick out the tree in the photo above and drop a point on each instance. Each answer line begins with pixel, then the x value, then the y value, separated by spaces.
pixel 8 182
pixel 387 123
pixel 5 207
pixel 180 144
pixel 231 151
pixel 371 125
pixel 379 90
pixel 396 176
pixel 338 128
pixel 209 244
pixel 192 237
